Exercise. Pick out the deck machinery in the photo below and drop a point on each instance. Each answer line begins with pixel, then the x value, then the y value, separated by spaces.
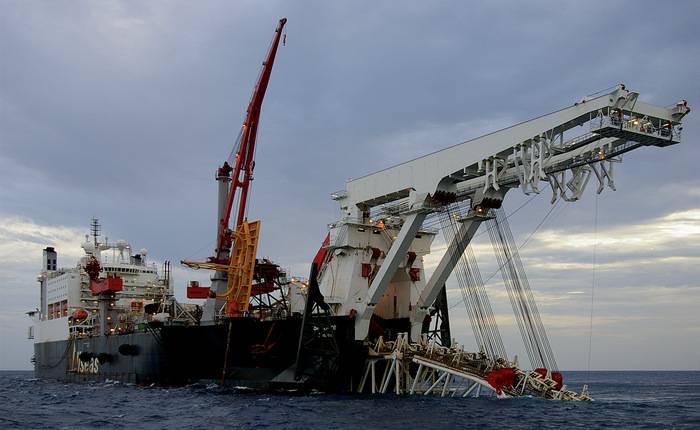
pixel 363 318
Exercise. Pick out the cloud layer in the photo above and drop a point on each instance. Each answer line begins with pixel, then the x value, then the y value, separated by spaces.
pixel 124 110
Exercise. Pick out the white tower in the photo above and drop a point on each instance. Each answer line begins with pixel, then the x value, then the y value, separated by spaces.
pixel 50 259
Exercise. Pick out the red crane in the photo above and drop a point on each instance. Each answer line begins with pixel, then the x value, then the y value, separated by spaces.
pixel 242 171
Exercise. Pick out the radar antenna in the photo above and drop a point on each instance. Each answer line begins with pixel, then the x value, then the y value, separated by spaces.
pixel 95 230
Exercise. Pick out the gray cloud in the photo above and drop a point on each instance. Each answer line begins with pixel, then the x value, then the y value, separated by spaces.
pixel 123 111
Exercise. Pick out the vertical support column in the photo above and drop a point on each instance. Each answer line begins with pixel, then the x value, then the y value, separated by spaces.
pixel 418 376
pixel 386 272
pixel 438 325
pixel 465 233
pixel 219 279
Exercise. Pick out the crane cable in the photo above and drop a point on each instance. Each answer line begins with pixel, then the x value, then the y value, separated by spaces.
pixel 522 245
pixel 593 281
pixel 235 148
pixel 432 221
pixel 527 240
pixel 520 293
pixel 471 285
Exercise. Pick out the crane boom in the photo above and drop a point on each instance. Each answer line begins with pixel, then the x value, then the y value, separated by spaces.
pixel 234 259
pixel 242 172
pixel 444 169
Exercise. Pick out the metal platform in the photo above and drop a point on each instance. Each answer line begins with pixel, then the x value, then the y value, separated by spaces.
pixel 643 131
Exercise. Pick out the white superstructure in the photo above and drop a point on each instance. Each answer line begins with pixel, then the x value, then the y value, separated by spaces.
pixel 65 292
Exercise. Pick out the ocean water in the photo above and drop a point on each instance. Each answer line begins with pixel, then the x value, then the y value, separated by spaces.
pixel 622 400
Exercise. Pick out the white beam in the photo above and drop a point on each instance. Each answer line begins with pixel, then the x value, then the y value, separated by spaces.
pixel 440 169
pixel 396 254
pixel 415 380
pixel 425 173
pixel 466 231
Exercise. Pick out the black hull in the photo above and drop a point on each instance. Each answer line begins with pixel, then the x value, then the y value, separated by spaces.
pixel 262 355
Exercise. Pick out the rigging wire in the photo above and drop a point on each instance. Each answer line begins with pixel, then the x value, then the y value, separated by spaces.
pixel 432 221
pixel 466 298
pixel 229 159
pixel 527 240
pixel 250 184
pixel 603 90
pixel 532 197
pixel 235 147
pixel 522 245
pixel 593 281
pixel 520 293
pixel 471 286
pixel 201 249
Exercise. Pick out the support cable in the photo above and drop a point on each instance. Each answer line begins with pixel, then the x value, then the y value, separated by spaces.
pixel 524 305
pixel 517 305
pixel 539 326
pixel 522 245
pixel 461 281
pixel 593 281
pixel 471 287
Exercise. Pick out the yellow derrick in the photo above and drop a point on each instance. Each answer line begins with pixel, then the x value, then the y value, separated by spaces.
pixel 240 269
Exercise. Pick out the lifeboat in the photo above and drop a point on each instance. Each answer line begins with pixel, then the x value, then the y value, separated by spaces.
pixel 79 314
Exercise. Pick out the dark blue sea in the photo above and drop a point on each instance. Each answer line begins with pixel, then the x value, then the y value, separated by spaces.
pixel 622 400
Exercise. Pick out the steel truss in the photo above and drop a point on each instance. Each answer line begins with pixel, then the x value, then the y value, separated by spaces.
pixel 437 323
pixel 426 368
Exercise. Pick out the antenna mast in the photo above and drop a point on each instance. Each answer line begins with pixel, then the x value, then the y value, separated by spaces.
pixel 95 229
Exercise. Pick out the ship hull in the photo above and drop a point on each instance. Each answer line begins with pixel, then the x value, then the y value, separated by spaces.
pixel 61 360
pixel 261 355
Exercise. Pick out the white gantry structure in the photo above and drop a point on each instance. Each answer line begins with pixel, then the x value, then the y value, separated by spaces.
pixel 375 266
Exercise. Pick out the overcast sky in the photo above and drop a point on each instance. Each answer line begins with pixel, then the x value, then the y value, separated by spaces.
pixel 123 110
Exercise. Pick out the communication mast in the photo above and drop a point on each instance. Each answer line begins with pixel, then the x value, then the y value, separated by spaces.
pixel 95 230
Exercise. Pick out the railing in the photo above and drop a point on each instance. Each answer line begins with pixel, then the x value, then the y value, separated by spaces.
pixel 338 195
pixel 646 127
pixel 578 141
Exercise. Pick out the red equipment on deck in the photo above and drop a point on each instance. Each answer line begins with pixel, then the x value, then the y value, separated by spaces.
pixel 79 314
pixel 106 285
pixel 501 378
pixel 556 376
pixel 320 256
pixel 194 291
pixel 101 286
